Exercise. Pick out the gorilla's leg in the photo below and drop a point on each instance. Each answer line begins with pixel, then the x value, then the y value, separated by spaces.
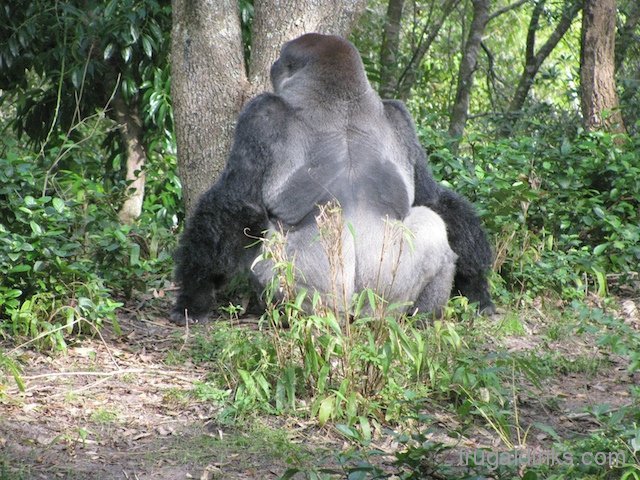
pixel 469 241
pixel 433 260
pixel 327 268
pixel 413 260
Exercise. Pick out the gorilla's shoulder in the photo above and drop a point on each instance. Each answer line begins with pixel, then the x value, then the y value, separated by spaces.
pixel 397 113
pixel 264 111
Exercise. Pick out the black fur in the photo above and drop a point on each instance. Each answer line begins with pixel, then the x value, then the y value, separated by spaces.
pixel 468 239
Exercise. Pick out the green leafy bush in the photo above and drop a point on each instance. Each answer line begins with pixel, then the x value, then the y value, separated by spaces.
pixel 563 212
pixel 63 252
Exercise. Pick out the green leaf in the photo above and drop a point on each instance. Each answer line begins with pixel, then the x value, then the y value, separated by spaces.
pixel 326 409
pixel 86 304
pixel 599 212
pixel 134 33
pixel 146 46
pixel 20 269
pixel 348 431
pixel 290 473
pixel 58 204
pixel 35 228
pixel 13 46
pixel 134 256
pixel 365 426
pixel 126 54
pixel 76 78
pixel 280 395
pixel 108 51
pixel 248 381
pixel 110 8
pixel 600 248
pixel 323 377
pixel 12 293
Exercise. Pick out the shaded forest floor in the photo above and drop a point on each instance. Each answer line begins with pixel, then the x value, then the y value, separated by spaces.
pixel 118 407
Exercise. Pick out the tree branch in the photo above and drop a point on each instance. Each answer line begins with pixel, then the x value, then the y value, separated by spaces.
pixel 408 76
pixel 499 12
pixel 534 24
pixel 563 25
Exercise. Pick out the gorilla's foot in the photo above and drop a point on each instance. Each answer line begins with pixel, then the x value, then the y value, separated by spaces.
pixel 487 309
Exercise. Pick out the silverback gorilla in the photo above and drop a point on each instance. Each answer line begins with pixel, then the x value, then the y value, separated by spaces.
pixel 325 136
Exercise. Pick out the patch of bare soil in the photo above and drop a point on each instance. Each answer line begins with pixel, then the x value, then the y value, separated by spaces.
pixel 113 408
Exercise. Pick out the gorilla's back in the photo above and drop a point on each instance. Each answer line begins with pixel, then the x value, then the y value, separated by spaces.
pixel 357 162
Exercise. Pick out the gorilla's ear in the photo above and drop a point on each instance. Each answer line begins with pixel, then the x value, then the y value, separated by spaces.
pixel 285 67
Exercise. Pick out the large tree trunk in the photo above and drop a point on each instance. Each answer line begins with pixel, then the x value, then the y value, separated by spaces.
pixel 599 99
pixel 131 132
pixel 209 82
pixel 533 59
pixel 207 88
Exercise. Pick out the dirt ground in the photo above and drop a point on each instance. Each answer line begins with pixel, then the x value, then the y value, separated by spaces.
pixel 113 407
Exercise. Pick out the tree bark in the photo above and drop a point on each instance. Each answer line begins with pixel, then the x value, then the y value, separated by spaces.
pixel 131 132
pixel 209 82
pixel 534 60
pixel 389 49
pixel 599 99
pixel 207 88
pixel 460 109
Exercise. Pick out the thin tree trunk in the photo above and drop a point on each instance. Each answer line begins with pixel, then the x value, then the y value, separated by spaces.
pixel 460 109
pixel 131 132
pixel 599 99
pixel 410 75
pixel 533 59
pixel 209 83
pixel 389 49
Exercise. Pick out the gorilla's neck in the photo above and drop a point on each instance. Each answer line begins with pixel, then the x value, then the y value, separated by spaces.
pixel 323 110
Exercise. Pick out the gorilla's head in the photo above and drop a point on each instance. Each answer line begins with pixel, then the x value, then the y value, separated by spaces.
pixel 316 64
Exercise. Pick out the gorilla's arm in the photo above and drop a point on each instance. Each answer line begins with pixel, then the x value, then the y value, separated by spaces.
pixel 464 228
pixel 214 242
pixel 469 240
pixel 331 172
pixel 306 188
